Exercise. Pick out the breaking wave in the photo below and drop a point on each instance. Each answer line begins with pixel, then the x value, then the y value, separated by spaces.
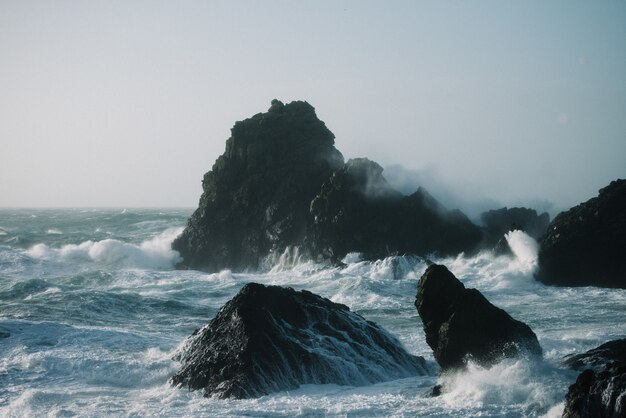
pixel 153 253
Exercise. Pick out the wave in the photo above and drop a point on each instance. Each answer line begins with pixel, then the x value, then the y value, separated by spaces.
pixel 531 387
pixel 155 253
pixel 525 249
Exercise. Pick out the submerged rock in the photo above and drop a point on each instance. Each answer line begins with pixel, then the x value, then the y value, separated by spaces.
pixel 269 338
pixel 586 245
pixel 356 210
pixel 257 196
pixel 600 390
pixel 461 324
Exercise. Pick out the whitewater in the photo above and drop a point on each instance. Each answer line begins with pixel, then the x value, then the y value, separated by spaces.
pixel 92 311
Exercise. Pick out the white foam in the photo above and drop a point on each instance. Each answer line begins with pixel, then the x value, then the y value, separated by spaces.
pixel 54 231
pixel 531 386
pixel 154 253
pixel 287 260
pixel 525 248
pixel 351 258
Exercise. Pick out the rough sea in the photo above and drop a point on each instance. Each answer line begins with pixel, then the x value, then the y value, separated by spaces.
pixel 92 311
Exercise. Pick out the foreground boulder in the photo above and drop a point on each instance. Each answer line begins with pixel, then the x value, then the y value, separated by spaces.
pixel 586 245
pixel 356 210
pixel 500 221
pixel 461 324
pixel 600 390
pixel 256 199
pixel 269 338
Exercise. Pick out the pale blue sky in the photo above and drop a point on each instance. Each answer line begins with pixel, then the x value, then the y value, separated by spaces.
pixel 128 103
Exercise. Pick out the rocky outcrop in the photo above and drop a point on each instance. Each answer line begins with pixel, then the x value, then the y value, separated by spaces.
pixel 282 185
pixel 500 221
pixel 356 210
pixel 270 338
pixel 586 245
pixel 600 390
pixel 257 196
pixel 461 324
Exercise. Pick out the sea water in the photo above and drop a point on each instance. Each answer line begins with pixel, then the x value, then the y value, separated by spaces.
pixel 92 312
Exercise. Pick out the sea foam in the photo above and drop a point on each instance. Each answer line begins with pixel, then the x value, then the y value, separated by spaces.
pixel 153 253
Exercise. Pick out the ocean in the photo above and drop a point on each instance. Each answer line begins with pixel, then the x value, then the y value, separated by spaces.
pixel 92 312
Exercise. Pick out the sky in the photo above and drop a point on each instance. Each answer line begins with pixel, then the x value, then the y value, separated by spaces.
pixel 129 103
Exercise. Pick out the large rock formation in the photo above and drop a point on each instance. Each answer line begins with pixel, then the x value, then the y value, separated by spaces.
pixel 256 198
pixel 281 183
pixel 500 221
pixel 358 211
pixel 586 245
pixel 600 390
pixel 461 324
pixel 270 338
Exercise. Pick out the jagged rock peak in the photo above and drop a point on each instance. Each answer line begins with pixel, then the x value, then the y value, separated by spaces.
pixel 256 197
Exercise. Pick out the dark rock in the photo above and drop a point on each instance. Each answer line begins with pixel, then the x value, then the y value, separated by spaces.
pixel 257 196
pixel 270 338
pixel 281 184
pixel 356 210
pixel 437 390
pixel 500 221
pixel 461 324
pixel 599 391
pixel 599 357
pixel 586 245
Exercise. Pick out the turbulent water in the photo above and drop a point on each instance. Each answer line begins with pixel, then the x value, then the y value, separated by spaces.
pixel 92 311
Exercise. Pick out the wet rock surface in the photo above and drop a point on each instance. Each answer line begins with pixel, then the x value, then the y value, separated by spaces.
pixel 461 324
pixel 600 390
pixel 270 338
pixel 586 245
pixel 256 198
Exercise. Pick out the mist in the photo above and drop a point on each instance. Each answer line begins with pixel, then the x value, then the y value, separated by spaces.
pixel 484 104
pixel 469 198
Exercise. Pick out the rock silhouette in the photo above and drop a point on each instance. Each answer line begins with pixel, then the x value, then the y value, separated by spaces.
pixel 586 245
pixel 282 184
pixel 500 221
pixel 461 324
pixel 257 196
pixel 358 211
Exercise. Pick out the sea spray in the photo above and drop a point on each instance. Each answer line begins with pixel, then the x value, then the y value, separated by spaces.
pixel 128 322
pixel 522 384
pixel 525 249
